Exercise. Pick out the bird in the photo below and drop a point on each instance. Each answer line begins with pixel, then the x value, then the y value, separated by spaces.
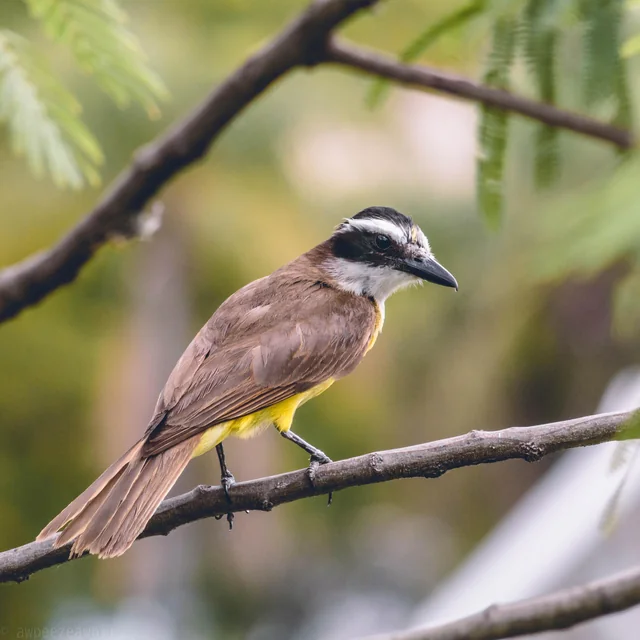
pixel 270 347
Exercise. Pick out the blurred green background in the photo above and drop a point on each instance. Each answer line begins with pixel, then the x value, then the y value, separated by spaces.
pixel 546 314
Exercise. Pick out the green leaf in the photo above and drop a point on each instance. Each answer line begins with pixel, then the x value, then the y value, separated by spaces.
pixel 547 156
pixel 623 117
pixel 540 52
pixel 605 74
pixel 632 430
pixel 43 117
pixel 602 21
pixel 494 124
pixel 380 88
pixel 491 162
pixel 96 34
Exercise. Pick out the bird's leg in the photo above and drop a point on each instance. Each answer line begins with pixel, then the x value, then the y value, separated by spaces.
pixel 317 457
pixel 226 480
pixel 316 454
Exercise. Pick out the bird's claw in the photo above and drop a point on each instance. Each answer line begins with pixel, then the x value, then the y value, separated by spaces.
pixel 230 518
pixel 317 458
pixel 227 481
pixel 320 457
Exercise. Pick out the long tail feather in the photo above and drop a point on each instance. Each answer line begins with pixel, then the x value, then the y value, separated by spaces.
pixel 107 518
pixel 96 489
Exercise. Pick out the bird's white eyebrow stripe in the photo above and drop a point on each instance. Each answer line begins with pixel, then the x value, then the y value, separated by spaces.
pixel 376 226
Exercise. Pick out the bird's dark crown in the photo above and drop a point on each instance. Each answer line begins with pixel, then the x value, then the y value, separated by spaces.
pixel 386 213
pixel 376 235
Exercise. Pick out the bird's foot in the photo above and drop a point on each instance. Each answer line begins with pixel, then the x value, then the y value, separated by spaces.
pixel 317 458
pixel 320 457
pixel 227 481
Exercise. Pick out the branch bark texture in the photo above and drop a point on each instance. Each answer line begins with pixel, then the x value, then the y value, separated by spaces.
pixel 560 610
pixel 429 460
pixel 307 41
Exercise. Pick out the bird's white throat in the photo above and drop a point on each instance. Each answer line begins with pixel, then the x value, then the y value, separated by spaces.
pixel 367 280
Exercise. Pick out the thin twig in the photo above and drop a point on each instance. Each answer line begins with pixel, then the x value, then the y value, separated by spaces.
pixel 560 610
pixel 421 77
pixel 428 460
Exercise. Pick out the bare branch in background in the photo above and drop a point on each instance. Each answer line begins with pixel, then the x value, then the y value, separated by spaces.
pixel 421 77
pixel 428 460
pixel 560 610
pixel 304 42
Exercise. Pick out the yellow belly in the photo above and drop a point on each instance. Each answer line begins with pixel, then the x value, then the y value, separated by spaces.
pixel 279 414
pixel 377 328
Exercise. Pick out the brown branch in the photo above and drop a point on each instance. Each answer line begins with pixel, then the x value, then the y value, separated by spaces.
pixel 304 42
pixel 420 77
pixel 300 43
pixel 560 610
pixel 428 460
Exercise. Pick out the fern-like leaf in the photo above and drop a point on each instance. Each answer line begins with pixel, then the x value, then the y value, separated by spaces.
pixel 623 117
pixel 540 52
pixel 494 123
pixel 602 21
pixel 43 117
pixel 95 32
pixel 417 47
pixel 547 158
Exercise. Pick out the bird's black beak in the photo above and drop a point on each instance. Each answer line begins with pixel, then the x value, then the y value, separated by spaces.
pixel 429 269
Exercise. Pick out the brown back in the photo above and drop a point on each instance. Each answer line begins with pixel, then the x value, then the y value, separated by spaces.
pixel 273 339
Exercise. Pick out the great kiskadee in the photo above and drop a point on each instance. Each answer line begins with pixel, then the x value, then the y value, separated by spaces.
pixel 270 347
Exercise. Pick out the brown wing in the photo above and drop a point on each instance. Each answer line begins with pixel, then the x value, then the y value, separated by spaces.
pixel 254 353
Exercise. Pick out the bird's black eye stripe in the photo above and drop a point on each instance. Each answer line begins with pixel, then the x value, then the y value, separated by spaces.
pixel 382 242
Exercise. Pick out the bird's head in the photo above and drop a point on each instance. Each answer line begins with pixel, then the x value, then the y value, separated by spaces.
pixel 379 251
